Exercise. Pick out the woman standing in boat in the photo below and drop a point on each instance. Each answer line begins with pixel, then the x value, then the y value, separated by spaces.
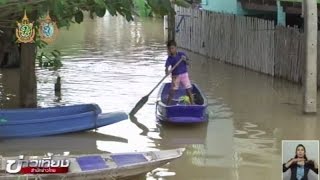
pixel 300 165
pixel 180 73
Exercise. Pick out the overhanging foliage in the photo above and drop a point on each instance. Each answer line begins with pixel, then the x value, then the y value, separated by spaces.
pixel 66 12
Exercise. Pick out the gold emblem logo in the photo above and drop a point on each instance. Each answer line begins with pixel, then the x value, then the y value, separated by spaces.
pixel 25 31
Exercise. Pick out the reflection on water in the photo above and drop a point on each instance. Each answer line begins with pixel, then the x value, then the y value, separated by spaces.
pixel 9 88
pixel 114 63
pixel 75 142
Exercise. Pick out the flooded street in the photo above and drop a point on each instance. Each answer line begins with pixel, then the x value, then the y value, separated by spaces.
pixel 114 63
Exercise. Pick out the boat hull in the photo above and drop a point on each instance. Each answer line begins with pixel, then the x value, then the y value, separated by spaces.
pixel 41 113
pixel 181 113
pixel 23 123
pixel 115 165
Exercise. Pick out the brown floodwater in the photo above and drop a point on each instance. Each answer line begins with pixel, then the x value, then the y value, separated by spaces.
pixel 114 63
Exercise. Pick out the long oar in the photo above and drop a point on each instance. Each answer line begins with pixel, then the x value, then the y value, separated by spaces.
pixel 143 101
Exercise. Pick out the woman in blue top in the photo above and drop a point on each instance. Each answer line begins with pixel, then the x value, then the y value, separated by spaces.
pixel 300 165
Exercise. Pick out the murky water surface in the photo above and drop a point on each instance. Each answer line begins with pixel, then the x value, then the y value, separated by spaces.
pixel 114 63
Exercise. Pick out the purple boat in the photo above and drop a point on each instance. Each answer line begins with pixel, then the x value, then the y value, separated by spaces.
pixel 179 111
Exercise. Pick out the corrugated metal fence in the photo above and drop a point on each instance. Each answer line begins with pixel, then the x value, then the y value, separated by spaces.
pixel 248 42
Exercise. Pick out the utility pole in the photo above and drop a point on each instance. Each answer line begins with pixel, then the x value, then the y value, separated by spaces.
pixel 28 81
pixel 310 76
pixel 171 23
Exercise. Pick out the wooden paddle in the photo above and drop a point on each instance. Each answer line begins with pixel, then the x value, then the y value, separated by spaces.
pixel 143 101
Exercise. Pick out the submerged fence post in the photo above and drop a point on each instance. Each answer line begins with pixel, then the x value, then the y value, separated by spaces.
pixel 310 76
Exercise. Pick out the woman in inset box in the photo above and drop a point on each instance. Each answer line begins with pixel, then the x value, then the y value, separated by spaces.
pixel 300 165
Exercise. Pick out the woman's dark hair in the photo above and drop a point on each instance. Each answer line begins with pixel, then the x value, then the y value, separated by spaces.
pixel 305 156
pixel 171 43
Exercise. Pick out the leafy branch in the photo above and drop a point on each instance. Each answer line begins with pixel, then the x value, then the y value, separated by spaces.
pixel 48 60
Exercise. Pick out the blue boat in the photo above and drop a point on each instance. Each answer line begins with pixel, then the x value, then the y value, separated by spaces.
pixel 31 122
pixel 179 112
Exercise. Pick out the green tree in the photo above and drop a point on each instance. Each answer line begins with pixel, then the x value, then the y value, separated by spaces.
pixel 70 11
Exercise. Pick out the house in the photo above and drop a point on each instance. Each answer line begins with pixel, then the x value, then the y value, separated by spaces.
pixel 225 6
pixel 284 12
